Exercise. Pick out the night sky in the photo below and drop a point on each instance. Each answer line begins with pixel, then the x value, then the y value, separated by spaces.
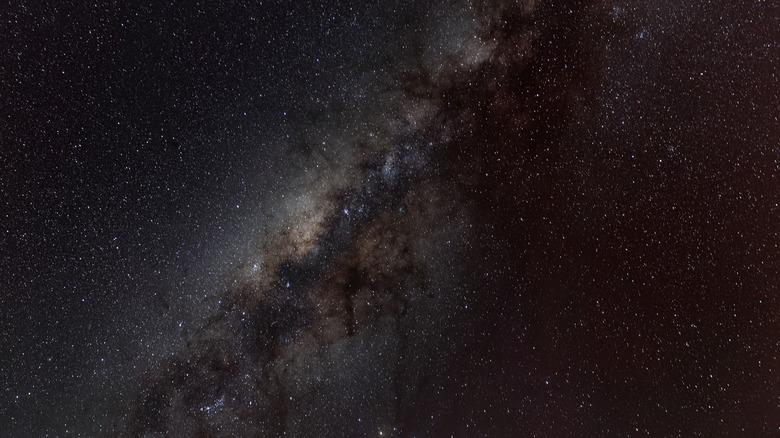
pixel 390 218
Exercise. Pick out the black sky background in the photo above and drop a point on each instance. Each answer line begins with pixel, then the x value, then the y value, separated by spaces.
pixel 617 275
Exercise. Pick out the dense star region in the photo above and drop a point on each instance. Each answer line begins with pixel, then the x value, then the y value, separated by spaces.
pixel 390 218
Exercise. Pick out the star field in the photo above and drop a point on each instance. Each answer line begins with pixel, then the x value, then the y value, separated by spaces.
pixel 396 218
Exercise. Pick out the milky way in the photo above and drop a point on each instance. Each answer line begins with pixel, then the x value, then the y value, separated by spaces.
pixel 448 218
pixel 344 321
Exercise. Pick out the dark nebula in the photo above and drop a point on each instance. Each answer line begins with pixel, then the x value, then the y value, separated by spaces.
pixel 449 218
